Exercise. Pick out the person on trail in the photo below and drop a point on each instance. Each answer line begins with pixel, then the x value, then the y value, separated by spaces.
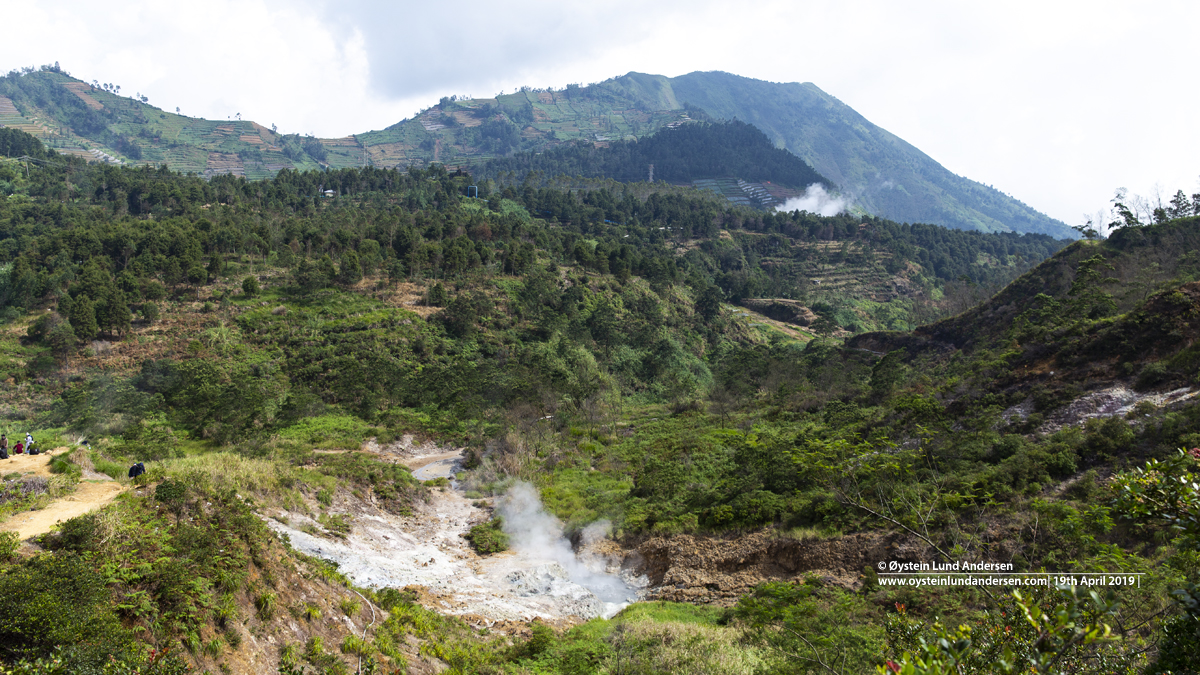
pixel 28 439
pixel 18 449
pixel 3 446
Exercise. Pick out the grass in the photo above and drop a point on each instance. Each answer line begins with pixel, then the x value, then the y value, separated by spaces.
pixel 644 638
pixel 329 431
pixel 114 470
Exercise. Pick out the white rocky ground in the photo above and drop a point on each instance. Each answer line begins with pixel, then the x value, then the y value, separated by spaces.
pixel 539 578
pixel 1109 402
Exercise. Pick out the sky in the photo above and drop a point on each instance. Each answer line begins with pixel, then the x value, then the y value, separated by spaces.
pixel 1055 103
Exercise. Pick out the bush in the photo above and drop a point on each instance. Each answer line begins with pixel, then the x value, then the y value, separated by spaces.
pixel 54 601
pixel 150 312
pixel 250 287
pixel 487 538
pixel 9 543
pixel 349 606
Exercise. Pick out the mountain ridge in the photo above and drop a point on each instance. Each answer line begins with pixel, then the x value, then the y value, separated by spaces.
pixel 834 139
pixel 885 175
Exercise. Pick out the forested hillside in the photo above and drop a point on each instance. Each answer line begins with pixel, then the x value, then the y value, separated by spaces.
pixel 679 155
pixel 886 175
pixel 881 173
pixel 254 344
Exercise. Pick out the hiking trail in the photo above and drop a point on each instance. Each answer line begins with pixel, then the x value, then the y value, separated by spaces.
pixel 94 492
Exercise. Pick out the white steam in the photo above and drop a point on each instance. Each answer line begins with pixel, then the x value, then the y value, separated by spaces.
pixel 539 535
pixel 816 200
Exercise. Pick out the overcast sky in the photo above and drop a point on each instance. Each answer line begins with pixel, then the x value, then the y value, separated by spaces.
pixel 1055 103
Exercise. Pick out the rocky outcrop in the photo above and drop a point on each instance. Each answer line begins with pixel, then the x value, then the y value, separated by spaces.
pixel 781 309
pixel 717 570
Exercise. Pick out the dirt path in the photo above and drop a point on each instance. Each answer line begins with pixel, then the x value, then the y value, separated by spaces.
pixel 89 495
pixel 38 465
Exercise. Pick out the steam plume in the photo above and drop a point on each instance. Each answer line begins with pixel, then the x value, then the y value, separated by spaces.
pixel 539 534
pixel 816 200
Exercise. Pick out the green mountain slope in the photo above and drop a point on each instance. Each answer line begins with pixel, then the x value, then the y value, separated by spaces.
pixel 683 154
pixel 886 175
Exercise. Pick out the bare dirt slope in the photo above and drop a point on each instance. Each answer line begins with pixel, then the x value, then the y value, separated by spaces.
pixel 90 495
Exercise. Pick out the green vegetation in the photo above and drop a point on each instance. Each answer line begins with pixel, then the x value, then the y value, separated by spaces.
pixel 679 155
pixel 488 537
pixel 605 363
pixel 888 177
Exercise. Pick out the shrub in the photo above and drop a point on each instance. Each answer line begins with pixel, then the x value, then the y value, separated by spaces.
pixel 150 312
pixel 9 543
pixel 487 538
pixel 265 603
pixel 214 647
pixel 171 492
pixel 250 287
pixel 58 600
pixel 355 646
pixel 349 606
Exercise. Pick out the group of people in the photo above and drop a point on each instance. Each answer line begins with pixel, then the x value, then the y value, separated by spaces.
pixel 19 448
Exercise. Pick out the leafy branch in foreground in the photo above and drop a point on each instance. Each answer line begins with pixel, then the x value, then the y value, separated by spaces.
pixel 1072 637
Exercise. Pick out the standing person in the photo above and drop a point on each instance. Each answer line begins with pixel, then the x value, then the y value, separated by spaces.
pixel 3 446
pixel 28 439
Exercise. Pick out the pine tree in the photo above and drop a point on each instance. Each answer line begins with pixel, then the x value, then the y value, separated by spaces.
pixel 83 318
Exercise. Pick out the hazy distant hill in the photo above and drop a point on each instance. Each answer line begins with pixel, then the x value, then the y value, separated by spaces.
pixel 885 175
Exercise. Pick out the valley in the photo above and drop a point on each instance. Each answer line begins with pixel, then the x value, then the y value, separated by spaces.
pixel 569 424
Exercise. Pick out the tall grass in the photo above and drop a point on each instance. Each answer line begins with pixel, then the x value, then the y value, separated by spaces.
pixel 106 466
pixel 261 477
pixel 682 649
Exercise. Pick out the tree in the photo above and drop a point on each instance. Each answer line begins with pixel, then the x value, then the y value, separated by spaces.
pixel 250 286
pixel 308 276
pixel 708 303
pixel 216 266
pixel 116 313
pixel 83 318
pixel 326 270
pixel 1180 206
pixel 150 312
pixel 1088 230
pixel 61 339
pixel 887 373
pixel 1090 299
pixel 1127 217
pixel 197 276
pixel 436 297
pixel 823 326
pixel 351 270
